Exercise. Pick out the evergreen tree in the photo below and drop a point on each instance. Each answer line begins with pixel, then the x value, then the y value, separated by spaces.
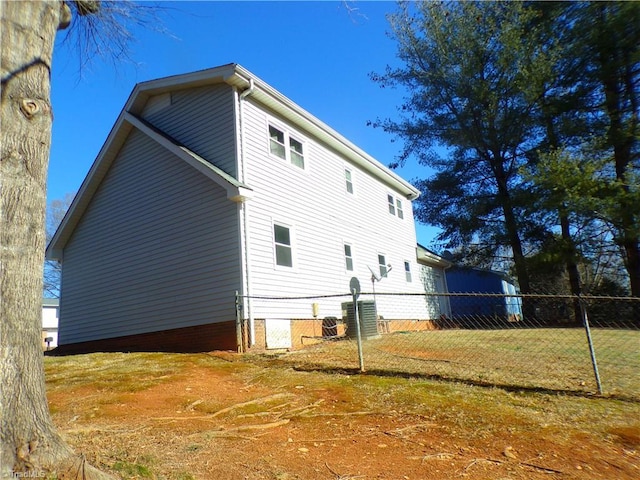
pixel 474 77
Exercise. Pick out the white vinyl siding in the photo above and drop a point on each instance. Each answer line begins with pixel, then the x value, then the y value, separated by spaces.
pixel 315 203
pixel 433 281
pixel 201 119
pixel 156 249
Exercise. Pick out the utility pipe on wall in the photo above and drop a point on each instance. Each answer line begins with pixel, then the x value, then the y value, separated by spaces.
pixel 245 216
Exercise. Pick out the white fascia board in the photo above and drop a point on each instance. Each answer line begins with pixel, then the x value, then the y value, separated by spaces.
pixel 425 257
pixel 238 77
pixel 236 191
pixel 142 91
pixel 276 101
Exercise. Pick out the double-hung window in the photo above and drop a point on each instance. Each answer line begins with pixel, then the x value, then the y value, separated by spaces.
pixel 283 245
pixel 276 142
pixel 407 271
pixel 382 264
pixel 348 178
pixel 348 257
pixel 392 204
pixel 399 210
pixel 395 206
pixel 283 145
pixel 295 152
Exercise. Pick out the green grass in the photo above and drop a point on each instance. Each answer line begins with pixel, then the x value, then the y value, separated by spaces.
pixel 132 470
pixel 552 358
pixel 464 407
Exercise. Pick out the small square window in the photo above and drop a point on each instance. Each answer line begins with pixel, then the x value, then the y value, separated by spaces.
pixel 348 178
pixel 407 271
pixel 392 205
pixel 348 257
pixel 276 142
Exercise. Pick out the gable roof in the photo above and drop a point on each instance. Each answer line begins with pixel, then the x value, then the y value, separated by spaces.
pixel 235 76
pixel 239 77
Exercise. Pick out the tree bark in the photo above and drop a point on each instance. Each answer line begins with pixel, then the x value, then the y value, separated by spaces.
pixel 621 104
pixel 29 439
pixel 511 223
pixel 571 265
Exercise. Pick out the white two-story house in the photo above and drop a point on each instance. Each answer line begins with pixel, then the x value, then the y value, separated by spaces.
pixel 212 183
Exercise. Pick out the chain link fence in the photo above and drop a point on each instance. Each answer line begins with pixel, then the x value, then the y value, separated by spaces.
pixel 560 343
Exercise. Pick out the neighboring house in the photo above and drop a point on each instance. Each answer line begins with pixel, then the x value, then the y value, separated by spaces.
pixel 212 183
pixel 50 315
pixel 502 304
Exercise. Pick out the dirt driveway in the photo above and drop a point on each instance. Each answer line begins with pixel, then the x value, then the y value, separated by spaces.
pixel 222 417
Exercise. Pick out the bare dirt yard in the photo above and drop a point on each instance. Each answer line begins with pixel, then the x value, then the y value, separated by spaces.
pixel 224 416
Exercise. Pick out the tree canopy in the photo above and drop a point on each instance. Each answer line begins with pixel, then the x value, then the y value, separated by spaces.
pixel 524 99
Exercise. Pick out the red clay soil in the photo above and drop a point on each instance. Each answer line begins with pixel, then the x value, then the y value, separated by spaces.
pixel 198 425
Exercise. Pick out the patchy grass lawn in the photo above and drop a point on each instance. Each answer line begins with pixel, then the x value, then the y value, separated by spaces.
pixel 556 359
pixel 226 416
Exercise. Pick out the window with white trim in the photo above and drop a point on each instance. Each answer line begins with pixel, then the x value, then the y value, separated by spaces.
pixel 285 146
pixel 348 178
pixel 395 206
pixel 295 153
pixel 407 271
pixel 392 204
pixel 276 142
pixel 399 210
pixel 382 264
pixel 283 245
pixel 348 257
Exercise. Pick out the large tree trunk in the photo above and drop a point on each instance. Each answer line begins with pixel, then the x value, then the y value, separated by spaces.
pixel 618 74
pixel 511 223
pixel 29 439
pixel 571 265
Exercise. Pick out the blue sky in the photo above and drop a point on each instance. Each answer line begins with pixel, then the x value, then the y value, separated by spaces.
pixel 318 54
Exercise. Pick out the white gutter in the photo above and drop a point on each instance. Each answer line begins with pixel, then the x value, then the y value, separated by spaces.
pixel 244 211
pixel 237 76
pixel 271 98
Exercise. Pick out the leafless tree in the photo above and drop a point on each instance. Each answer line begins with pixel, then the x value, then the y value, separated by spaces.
pixel 56 210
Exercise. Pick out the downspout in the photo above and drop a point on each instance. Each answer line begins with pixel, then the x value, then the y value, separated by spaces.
pixel 245 219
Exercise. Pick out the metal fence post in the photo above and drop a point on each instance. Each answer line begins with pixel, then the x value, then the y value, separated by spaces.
pixel 358 334
pixel 239 341
pixel 592 351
